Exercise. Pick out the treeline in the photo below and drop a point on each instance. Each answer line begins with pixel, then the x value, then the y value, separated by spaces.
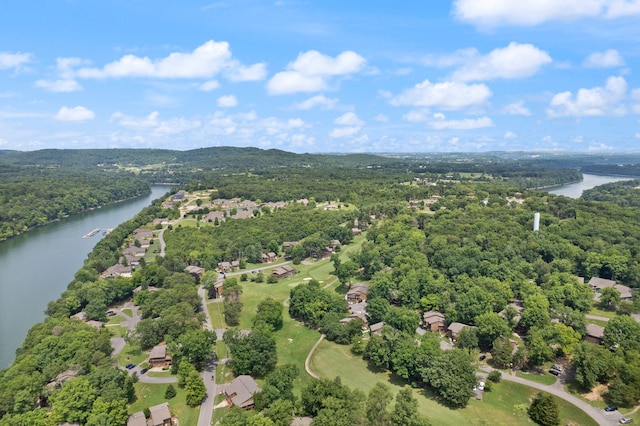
pixel 32 197
pixel 624 193
pixel 249 238
pixel 624 169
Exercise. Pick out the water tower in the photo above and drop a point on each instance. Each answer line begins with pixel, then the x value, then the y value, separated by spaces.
pixel 536 222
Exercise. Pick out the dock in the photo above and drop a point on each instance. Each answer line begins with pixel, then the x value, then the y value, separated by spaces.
pixel 91 234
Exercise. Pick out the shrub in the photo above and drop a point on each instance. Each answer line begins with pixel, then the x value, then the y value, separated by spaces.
pixel 170 392
pixel 494 376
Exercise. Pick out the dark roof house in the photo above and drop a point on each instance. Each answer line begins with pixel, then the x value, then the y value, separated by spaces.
pixel 240 392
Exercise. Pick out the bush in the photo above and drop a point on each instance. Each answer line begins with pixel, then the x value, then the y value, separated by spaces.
pixel 146 412
pixel 170 392
pixel 272 279
pixel 494 376
pixel 243 277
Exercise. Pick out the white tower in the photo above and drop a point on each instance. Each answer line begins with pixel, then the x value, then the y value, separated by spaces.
pixel 536 222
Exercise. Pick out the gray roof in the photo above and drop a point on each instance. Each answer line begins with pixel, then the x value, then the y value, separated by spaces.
pixel 456 327
pixel 159 413
pixel 159 351
pixel 598 283
pixel 377 326
pixel 241 390
pixel 595 331
pixel 432 316
pixel 358 288
pixel 137 419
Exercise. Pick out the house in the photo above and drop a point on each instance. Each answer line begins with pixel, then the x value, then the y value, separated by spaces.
pixel 196 271
pixel 212 216
pixel 455 328
pixel 243 214
pixel 356 232
pixel 283 271
pixel 135 251
pixel 160 221
pixel 433 321
pixel 142 234
pixel 597 284
pixel 625 292
pixel 218 288
pixel 376 328
pixel 158 356
pixel 289 244
pixel 595 334
pixel 131 260
pixel 118 270
pixel 268 257
pixel 137 419
pixel 143 243
pixel 178 196
pixel 160 415
pixel 240 392
pixel 224 267
pixel 357 293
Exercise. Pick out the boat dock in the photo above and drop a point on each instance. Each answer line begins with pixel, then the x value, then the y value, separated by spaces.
pixel 91 234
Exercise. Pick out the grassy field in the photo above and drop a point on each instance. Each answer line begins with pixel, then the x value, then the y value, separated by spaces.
pixel 216 314
pixel 149 395
pixel 543 378
pixel 131 354
pixel 505 405
pixel 601 313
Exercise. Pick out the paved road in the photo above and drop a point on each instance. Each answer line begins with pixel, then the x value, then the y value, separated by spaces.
pixel 601 417
pixel 209 373
pixel 306 361
pixel 595 317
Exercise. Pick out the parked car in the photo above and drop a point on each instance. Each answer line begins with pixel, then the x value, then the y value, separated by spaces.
pixel 130 366
pixel 111 313
pixel 481 386
pixel 482 357
pixel 144 370
pixel 610 408
pixel 556 367
pixel 625 421
pixel 554 372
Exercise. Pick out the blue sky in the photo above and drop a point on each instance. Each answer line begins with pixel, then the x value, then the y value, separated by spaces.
pixel 321 76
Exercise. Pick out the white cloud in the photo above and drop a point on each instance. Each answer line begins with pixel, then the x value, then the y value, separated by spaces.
pixel 510 135
pixel 517 108
pixel 227 101
pixel 156 126
pixel 441 123
pixel 607 59
pixel 205 61
pixel 344 132
pixel 318 100
pixel 589 102
pixel 78 113
pixel 511 62
pixel 254 72
pixel 446 95
pixel 209 85
pixel 381 118
pixel 490 13
pixel 311 72
pixel 637 135
pixel 348 119
pixel 14 60
pixel 417 116
pixel 59 86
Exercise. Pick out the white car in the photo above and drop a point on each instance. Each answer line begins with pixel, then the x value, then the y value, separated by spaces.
pixel 481 386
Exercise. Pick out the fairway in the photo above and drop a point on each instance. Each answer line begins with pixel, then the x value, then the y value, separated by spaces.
pixel 505 405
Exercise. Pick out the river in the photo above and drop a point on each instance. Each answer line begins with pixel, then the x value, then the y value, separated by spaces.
pixel 574 190
pixel 37 266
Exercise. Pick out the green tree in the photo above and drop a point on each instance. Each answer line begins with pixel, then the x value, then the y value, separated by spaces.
pixel 195 389
pixel 279 412
pixel 535 312
pixel 73 402
pixel 378 352
pixel 376 409
pixel 622 331
pixel 592 364
pixel 405 412
pixel 544 410
pixel 194 346
pixel 170 392
pixel 467 339
pixel 490 327
pixel 269 311
pixel 610 298
pixel 452 376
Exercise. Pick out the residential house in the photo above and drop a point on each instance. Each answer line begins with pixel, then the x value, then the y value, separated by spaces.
pixel 131 260
pixel 626 293
pixel 357 293
pixel 235 265
pixel 289 244
pixel 356 232
pixel 268 257
pixel 212 216
pixel 178 196
pixel 218 288
pixel 240 392
pixel 224 267
pixel 376 328
pixel 597 283
pixel 595 334
pixel 243 214
pixel 137 419
pixel 160 221
pixel 135 251
pixel 283 271
pixel 455 328
pixel 142 234
pixel 433 321
pixel 118 270
pixel 196 271
pixel 158 356
pixel 143 243
pixel 160 415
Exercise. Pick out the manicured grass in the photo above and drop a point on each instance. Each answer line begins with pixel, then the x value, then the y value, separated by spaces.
pixel 116 319
pixel 117 330
pixel 131 354
pixel 159 374
pixel 151 394
pixel 127 312
pixel 505 405
pixel 543 378
pixel 216 313
pixel 597 322
pixel 595 310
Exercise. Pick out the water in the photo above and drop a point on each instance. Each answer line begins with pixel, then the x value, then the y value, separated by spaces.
pixel 574 190
pixel 37 266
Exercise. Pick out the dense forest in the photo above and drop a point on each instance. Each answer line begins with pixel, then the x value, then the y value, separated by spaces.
pixel 624 193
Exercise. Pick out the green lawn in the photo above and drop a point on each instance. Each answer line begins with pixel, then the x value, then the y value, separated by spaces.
pixel 150 394
pixel 216 313
pixel 542 378
pixel 597 322
pixel 595 310
pixel 505 405
pixel 127 312
pixel 131 354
